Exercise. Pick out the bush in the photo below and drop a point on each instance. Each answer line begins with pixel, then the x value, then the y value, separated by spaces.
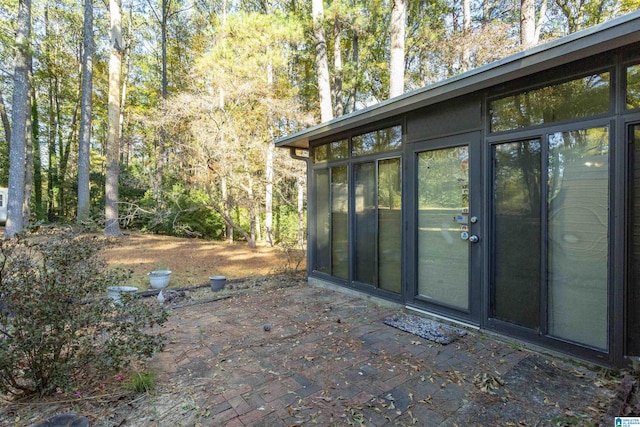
pixel 199 221
pixel 56 326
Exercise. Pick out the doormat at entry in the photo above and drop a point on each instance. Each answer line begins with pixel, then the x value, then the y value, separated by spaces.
pixel 427 329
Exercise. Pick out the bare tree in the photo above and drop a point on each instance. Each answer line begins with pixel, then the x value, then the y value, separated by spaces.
pixel 112 227
pixel 19 113
pixel 84 162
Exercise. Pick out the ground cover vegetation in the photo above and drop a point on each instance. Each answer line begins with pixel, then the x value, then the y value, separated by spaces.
pixel 166 123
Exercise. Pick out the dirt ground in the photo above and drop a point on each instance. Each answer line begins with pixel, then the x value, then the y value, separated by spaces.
pixel 193 261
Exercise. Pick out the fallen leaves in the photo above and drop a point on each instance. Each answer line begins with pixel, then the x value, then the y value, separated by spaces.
pixel 487 383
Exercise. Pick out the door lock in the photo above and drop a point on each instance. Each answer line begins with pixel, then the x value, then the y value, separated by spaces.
pixel 474 239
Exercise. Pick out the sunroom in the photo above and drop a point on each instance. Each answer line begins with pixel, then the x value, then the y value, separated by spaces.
pixel 506 198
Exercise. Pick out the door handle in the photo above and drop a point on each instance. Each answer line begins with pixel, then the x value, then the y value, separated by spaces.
pixel 474 239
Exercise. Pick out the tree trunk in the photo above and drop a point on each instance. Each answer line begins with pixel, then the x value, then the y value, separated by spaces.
pixel 20 110
pixel 396 62
pixel 29 155
pixel 52 176
pixel 37 161
pixel 84 145
pixel 466 31
pixel 527 23
pixel 64 159
pixel 5 119
pixel 268 197
pixel 322 62
pixel 163 135
pixel 125 145
pixel 229 220
pixel 356 64
pixel 28 168
pixel 337 68
pixel 112 227
pixel 53 125
pixel 487 8
pixel 227 209
pixel 268 202
pixel 541 15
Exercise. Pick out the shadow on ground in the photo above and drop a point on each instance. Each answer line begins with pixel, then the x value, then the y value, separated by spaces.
pixel 287 355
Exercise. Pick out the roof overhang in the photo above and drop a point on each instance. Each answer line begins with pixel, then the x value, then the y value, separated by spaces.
pixel 613 34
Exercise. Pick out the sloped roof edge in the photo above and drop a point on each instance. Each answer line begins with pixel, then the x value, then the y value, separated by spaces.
pixel 615 33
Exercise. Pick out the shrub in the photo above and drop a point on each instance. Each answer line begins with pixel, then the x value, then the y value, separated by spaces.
pixel 56 326
pixel 199 221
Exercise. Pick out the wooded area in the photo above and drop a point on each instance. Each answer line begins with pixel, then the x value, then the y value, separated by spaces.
pixel 160 115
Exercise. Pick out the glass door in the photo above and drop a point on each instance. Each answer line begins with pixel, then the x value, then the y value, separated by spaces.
pixel 447 274
pixel 550 236
pixel 632 321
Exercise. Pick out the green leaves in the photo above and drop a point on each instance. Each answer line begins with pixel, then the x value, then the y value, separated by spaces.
pixel 56 323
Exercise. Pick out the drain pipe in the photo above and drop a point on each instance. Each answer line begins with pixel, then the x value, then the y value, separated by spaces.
pixel 293 152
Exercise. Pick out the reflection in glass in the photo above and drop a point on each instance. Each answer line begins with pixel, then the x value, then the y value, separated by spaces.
pixel 578 218
pixel 366 225
pixel 517 241
pixel 332 151
pixel 633 87
pixel 339 223
pixel 633 314
pixel 443 203
pixel 323 252
pixel 583 97
pixel 320 153
pixel 389 224
pixel 378 202
pixel 377 141
pixel 339 150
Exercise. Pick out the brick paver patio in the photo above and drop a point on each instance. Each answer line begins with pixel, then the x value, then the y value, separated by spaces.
pixel 301 355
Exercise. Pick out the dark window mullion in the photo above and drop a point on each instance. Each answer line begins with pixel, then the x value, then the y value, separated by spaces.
pixel 376 278
pixel 544 236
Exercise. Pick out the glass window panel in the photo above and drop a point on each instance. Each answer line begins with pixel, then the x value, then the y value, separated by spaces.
pixel 633 298
pixel 323 250
pixel 517 241
pixel 377 141
pixel 578 217
pixel 389 224
pixel 443 202
pixel 320 153
pixel 339 222
pixel 339 150
pixel 366 225
pixel 583 97
pixel 332 151
pixel 633 87
pixel 364 144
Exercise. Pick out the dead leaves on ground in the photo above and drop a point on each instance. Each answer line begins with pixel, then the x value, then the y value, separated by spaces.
pixel 487 383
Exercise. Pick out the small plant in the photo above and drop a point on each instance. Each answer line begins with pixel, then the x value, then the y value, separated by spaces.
pixel 294 255
pixel 56 325
pixel 142 382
